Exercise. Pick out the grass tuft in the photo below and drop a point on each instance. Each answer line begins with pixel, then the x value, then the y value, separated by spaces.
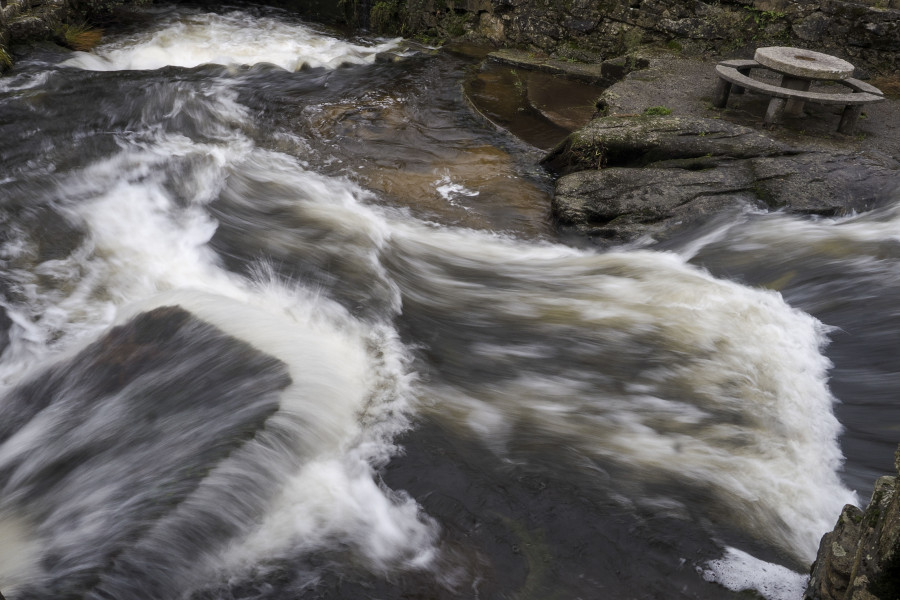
pixel 81 37
pixel 5 60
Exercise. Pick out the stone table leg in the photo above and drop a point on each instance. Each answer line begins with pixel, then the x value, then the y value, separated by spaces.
pixel 776 107
pixel 794 107
pixel 849 117
pixel 720 97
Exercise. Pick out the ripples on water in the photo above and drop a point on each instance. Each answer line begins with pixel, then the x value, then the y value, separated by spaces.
pixel 433 396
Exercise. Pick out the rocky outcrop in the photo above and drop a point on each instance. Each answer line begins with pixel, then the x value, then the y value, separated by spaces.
pixel 641 173
pixel 640 140
pixel 860 558
pixel 866 32
pixel 630 176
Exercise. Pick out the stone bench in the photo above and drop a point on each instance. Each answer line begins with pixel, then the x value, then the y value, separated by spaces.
pixel 734 78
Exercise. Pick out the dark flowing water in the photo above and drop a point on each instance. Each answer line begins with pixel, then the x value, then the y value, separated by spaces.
pixel 387 377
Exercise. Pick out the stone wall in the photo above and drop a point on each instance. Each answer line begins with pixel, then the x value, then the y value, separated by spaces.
pixel 866 32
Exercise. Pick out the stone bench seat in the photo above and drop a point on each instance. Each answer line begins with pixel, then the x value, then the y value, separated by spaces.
pixel 735 74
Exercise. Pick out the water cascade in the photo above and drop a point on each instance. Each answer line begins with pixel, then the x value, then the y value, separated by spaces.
pixel 289 322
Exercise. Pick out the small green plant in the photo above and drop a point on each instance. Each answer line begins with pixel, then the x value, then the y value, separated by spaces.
pixel 5 60
pixel 763 17
pixel 658 111
pixel 80 37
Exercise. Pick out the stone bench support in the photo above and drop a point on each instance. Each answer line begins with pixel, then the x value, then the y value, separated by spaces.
pixel 735 74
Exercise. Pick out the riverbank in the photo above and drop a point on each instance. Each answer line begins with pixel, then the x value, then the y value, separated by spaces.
pixel 662 159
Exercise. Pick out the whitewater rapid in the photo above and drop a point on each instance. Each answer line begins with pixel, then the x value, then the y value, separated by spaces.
pixel 636 359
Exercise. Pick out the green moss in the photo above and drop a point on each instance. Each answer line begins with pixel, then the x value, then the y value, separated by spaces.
pixel 455 23
pixel 658 111
pixel 388 17
pixel 5 60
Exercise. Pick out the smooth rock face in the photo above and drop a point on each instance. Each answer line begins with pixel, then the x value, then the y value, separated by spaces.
pixel 620 204
pixel 860 558
pixel 633 176
pixel 634 141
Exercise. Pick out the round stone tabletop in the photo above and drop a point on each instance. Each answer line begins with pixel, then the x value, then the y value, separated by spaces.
pixel 803 63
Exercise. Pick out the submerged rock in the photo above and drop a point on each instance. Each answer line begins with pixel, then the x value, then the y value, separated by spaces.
pixel 129 462
pixel 860 558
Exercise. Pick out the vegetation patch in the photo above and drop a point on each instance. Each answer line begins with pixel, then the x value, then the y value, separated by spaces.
pixel 658 111
pixel 388 17
pixel 5 60
pixel 80 37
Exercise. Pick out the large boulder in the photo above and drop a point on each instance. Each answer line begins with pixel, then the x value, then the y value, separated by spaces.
pixel 128 462
pixel 620 204
pixel 860 558
pixel 626 176
pixel 638 140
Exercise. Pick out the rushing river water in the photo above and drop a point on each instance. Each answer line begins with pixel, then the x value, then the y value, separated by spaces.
pixel 399 383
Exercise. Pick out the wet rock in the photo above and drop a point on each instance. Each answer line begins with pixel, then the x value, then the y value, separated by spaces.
pixel 587 72
pixel 636 140
pixel 860 558
pixel 632 177
pixel 133 460
pixel 620 204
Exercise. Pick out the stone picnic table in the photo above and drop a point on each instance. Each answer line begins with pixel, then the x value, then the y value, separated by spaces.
pixel 798 69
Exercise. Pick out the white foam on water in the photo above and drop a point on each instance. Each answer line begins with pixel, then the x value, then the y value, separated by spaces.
pixel 728 391
pixel 147 247
pixel 190 39
pixel 857 237
pixel 451 192
pixel 739 571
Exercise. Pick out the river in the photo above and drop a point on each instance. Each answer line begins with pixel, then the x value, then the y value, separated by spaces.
pixel 401 382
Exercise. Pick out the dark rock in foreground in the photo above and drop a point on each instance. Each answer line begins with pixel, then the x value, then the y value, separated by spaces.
pixel 860 559
pixel 128 458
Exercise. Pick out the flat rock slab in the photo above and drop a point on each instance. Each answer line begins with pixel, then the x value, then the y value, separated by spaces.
pixel 111 456
pixel 635 141
pixel 588 72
